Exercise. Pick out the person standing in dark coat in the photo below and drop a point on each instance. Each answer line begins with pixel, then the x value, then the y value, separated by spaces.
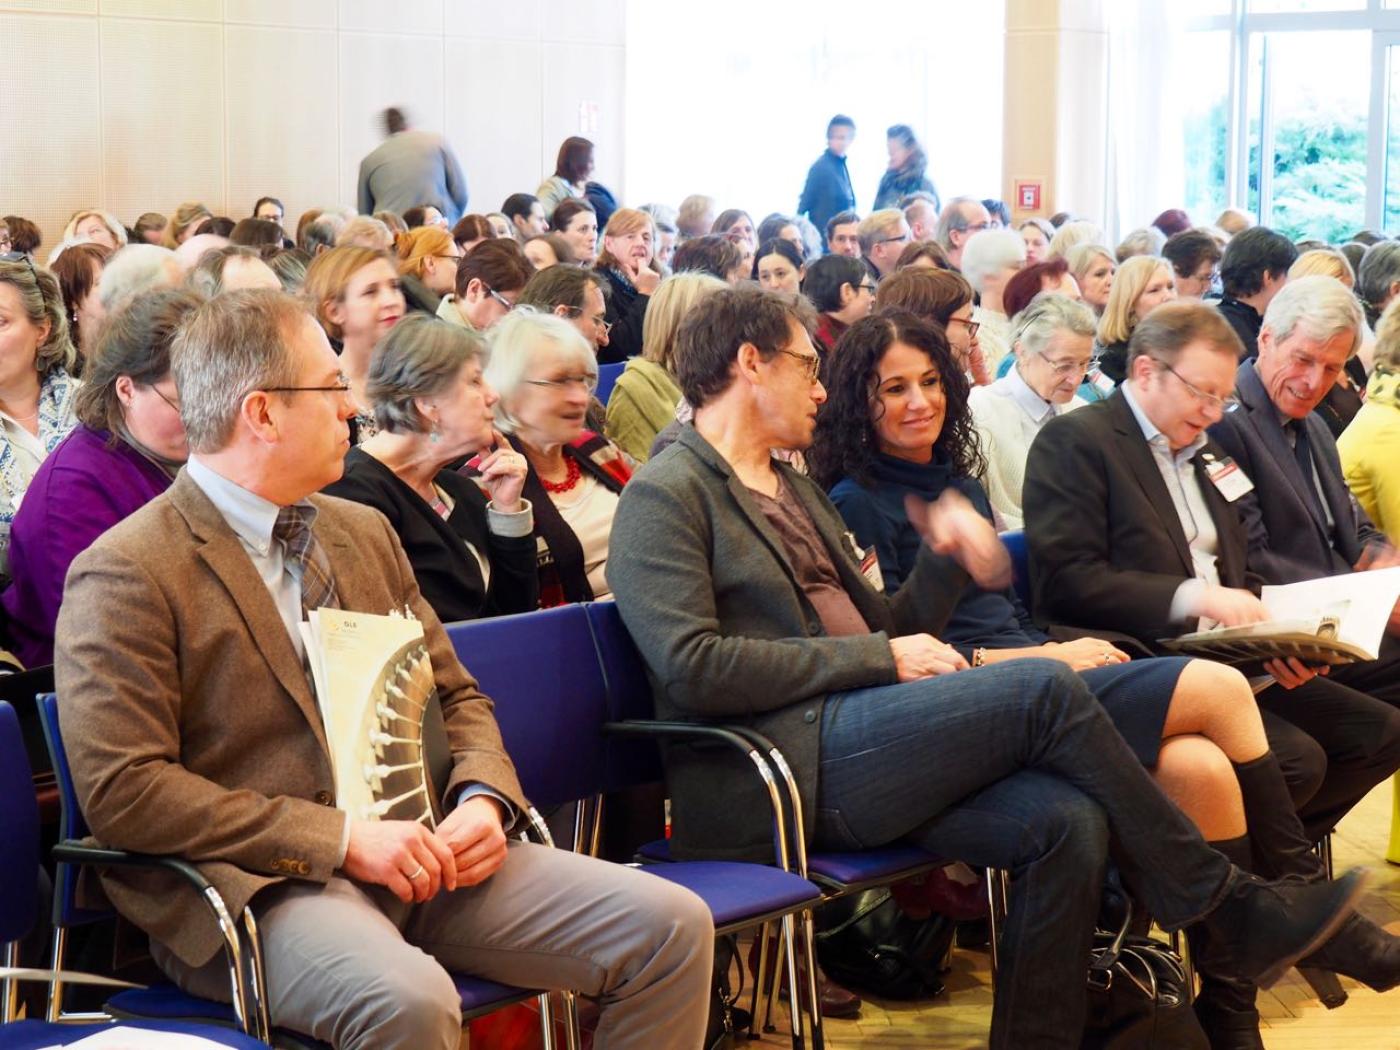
pixel 828 190
pixel 905 175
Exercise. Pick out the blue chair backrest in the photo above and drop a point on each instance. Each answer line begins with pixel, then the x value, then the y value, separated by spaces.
pixel 607 379
pixel 19 831
pixel 629 696
pixel 1015 542
pixel 71 824
pixel 541 671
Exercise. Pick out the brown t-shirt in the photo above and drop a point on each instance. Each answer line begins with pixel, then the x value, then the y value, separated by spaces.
pixel 811 561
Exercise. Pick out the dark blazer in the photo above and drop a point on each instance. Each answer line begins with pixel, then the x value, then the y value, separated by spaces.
pixel 448 574
pixel 705 587
pixel 827 192
pixel 1107 549
pixel 1288 539
pixel 1245 320
pixel 626 310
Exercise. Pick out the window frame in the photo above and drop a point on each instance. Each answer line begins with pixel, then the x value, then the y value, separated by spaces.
pixel 1384 26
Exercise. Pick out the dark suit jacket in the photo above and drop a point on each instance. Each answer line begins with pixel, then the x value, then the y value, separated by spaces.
pixel 1288 538
pixel 705 587
pixel 189 721
pixel 447 572
pixel 1107 549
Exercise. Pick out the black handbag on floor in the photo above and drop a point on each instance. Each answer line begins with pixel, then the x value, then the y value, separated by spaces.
pixel 866 943
pixel 1139 998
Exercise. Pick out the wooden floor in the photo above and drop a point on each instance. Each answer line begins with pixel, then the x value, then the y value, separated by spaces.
pixel 1293 1018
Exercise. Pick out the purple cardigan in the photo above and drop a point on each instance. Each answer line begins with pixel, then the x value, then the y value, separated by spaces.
pixel 81 490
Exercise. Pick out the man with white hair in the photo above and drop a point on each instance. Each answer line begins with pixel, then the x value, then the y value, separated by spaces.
pixel 1303 522
pixel 137 268
pixel 990 259
pixel 961 218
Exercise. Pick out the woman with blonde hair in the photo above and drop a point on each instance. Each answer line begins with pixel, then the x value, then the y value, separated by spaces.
pixel 626 263
pixel 1072 233
pixel 357 297
pixel 428 261
pixel 1142 284
pixel 1093 267
pixel 367 233
pixel 644 399
pixel 37 392
pixel 1370 445
pixel 184 224
pixel 90 224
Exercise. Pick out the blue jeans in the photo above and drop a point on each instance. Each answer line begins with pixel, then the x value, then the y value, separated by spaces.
pixel 1015 766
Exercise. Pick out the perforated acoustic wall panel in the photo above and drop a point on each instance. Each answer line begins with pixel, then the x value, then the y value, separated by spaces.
pixel 138 105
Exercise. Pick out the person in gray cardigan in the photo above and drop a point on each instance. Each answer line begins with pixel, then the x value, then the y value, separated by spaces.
pixel 411 168
pixel 750 604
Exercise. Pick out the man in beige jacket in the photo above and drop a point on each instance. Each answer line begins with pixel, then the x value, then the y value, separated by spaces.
pixel 193 731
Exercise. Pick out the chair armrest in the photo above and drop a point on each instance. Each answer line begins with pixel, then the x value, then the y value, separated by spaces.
pixel 738 738
pixel 73 852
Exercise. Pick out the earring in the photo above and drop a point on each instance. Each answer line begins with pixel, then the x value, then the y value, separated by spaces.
pixel 435 435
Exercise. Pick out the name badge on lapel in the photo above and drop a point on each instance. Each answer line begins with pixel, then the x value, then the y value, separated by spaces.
pixel 868 562
pixel 1229 480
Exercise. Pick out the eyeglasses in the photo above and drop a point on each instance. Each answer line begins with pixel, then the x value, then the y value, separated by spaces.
pixel 972 326
pixel 499 298
pixel 867 286
pixel 903 238
pixel 588 382
pixel 453 259
pixel 1065 369
pixel 5 241
pixel 1224 404
pixel 577 311
pixel 342 386
pixel 161 394
pixel 811 363
pixel 978 227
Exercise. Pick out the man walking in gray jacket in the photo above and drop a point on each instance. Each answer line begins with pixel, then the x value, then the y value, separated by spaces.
pixel 409 168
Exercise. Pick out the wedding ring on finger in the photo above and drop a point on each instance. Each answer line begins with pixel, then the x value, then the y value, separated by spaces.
pixel 416 873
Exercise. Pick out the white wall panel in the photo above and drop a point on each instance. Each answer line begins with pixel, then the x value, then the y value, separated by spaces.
pixel 49 121
pixel 318 14
pixel 276 149
pixel 524 20
pixel 162 115
pixel 51 7
pixel 400 16
pixel 380 70
pixel 493 118
pixel 583 95
pixel 596 21
pixel 183 10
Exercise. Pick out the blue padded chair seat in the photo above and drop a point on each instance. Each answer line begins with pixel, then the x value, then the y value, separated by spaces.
pixel 479 994
pixel 165 1002
pixel 740 893
pixel 841 869
pixel 31 1035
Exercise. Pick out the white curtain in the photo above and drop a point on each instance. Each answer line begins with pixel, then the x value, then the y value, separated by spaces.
pixel 1145 158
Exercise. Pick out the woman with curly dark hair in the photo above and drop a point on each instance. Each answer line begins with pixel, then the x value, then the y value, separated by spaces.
pixel 896 427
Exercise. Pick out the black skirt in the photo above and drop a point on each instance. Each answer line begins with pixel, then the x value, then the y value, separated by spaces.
pixel 1136 696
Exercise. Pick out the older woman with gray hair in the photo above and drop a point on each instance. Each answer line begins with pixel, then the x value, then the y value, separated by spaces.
pixel 990 259
pixel 545 373
pixel 469 544
pixel 1053 342
pixel 37 392
pixel 137 268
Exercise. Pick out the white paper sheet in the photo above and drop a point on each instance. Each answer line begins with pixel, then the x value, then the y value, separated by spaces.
pixel 1360 601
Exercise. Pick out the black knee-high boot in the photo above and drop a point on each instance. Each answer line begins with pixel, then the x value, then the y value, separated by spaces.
pixel 1281 846
pixel 1225 1006
pixel 1282 849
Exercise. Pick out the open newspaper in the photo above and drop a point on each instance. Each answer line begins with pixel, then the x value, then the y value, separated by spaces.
pixel 1333 620
pixel 375 686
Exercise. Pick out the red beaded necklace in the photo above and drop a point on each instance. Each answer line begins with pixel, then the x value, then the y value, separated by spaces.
pixel 572 473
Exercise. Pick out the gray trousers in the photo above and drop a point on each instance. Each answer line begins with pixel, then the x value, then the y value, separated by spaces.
pixel 355 967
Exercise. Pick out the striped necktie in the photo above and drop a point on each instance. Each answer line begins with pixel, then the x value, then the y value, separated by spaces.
pixel 293 529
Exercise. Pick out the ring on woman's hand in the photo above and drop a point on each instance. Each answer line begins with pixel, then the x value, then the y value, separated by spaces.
pixel 416 873
pixel 1107 657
